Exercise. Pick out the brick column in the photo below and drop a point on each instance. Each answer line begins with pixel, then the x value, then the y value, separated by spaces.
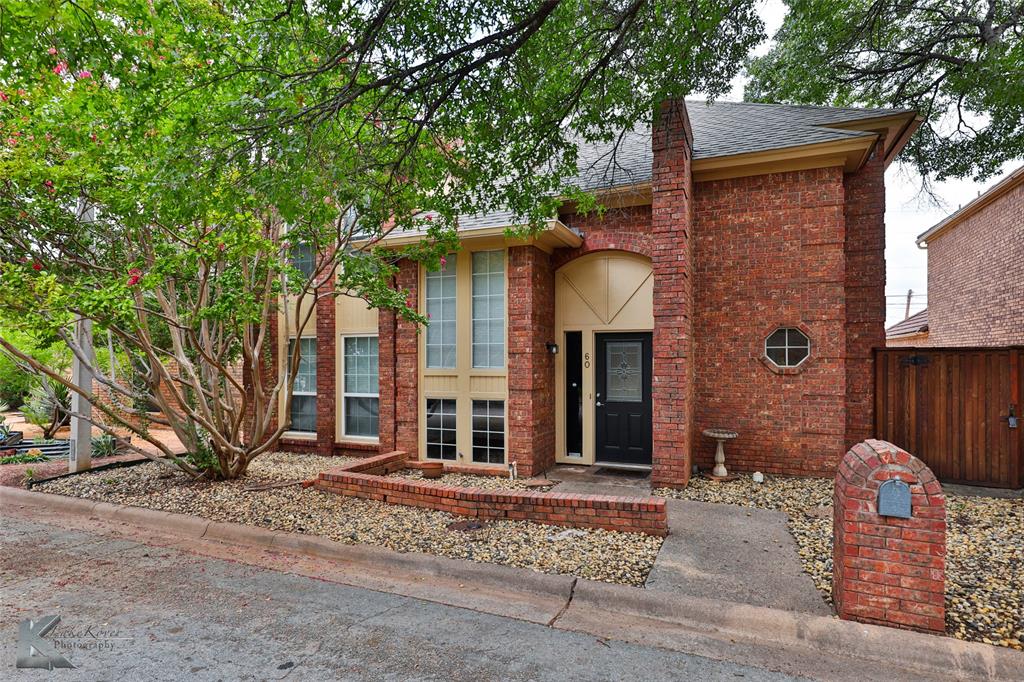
pixel 326 370
pixel 865 291
pixel 398 344
pixel 386 378
pixel 407 407
pixel 531 367
pixel 671 256
pixel 888 570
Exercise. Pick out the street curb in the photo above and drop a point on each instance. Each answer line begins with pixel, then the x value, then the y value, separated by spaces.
pixel 759 625
pixel 592 606
pixel 379 561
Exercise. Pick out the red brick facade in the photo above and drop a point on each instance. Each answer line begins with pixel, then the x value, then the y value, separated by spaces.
pixel 733 260
pixel 672 260
pixel 864 291
pixel 398 341
pixel 888 570
pixel 769 254
pixel 531 368
pixel 976 277
pixel 366 480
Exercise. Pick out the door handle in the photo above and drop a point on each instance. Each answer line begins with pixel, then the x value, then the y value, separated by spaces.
pixel 1011 419
pixel 598 404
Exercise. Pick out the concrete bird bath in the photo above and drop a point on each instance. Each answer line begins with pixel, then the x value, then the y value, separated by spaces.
pixel 719 472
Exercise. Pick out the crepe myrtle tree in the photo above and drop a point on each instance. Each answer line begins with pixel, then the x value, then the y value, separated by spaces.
pixel 161 164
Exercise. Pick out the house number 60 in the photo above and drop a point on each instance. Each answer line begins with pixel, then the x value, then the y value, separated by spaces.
pixel 586 360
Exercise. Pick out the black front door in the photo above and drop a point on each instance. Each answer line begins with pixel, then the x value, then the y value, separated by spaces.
pixel 622 398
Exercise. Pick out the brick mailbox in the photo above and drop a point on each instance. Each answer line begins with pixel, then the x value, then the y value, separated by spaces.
pixel 889 550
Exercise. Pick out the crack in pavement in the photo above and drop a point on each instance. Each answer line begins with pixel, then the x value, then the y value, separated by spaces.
pixel 565 607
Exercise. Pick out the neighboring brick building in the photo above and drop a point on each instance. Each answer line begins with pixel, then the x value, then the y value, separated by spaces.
pixel 911 332
pixel 736 279
pixel 976 271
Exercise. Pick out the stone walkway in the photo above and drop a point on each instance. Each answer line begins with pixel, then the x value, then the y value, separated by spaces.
pixel 716 551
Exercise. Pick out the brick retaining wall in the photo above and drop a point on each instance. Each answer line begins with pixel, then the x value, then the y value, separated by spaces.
pixel 365 479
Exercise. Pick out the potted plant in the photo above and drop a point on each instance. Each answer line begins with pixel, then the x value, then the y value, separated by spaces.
pixel 432 469
pixel 7 435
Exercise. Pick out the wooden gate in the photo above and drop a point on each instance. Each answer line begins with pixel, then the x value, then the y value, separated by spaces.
pixel 951 407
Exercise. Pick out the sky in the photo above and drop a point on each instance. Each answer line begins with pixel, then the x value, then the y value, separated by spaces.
pixel 907 212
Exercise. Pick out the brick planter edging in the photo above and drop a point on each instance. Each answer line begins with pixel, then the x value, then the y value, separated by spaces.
pixel 363 479
pixel 888 570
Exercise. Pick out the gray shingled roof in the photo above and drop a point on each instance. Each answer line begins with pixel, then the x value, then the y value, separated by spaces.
pixel 915 324
pixel 719 129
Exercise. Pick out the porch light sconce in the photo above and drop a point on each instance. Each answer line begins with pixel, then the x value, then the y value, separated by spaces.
pixel 553 348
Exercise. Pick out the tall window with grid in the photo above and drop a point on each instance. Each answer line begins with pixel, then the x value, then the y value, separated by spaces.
pixel 441 325
pixel 441 429
pixel 303 412
pixel 489 309
pixel 361 402
pixel 489 431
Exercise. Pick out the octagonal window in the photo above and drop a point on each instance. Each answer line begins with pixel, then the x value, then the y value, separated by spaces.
pixel 787 347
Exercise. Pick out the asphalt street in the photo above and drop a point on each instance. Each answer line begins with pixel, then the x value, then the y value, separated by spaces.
pixel 131 611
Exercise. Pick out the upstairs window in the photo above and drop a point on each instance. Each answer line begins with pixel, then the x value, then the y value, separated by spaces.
pixel 787 347
pixel 489 309
pixel 441 323
pixel 303 259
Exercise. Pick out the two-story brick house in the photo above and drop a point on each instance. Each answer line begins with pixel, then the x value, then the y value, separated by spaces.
pixel 736 279
pixel 975 274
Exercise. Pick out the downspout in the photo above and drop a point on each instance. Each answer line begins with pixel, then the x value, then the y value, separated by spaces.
pixel 394 374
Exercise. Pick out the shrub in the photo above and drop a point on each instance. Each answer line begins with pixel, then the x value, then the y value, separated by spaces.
pixel 48 407
pixel 104 446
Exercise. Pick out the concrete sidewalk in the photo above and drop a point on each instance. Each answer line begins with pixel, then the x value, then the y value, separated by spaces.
pixel 740 554
pixel 715 551
pixel 763 638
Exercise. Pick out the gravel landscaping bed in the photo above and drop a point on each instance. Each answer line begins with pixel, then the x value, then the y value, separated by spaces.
pixel 471 481
pixel 984 548
pixel 607 556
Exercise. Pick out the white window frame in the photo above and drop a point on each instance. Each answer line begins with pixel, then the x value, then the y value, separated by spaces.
pixel 345 394
pixel 486 300
pixel 292 432
pixel 450 270
pixel 787 346
pixel 455 429
pixel 474 432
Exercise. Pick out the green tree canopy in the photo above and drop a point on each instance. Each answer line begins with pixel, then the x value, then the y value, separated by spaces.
pixel 960 63
pixel 160 161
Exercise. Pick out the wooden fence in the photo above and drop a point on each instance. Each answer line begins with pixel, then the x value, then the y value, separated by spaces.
pixel 951 407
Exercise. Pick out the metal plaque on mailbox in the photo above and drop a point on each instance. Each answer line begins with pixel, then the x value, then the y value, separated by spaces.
pixel 894 499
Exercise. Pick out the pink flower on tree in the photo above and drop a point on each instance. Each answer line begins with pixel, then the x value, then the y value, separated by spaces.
pixel 60 68
pixel 3 96
pixel 52 50
pixel 37 266
pixel 429 218
pixel 84 74
pixel 135 276
pixel 444 261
